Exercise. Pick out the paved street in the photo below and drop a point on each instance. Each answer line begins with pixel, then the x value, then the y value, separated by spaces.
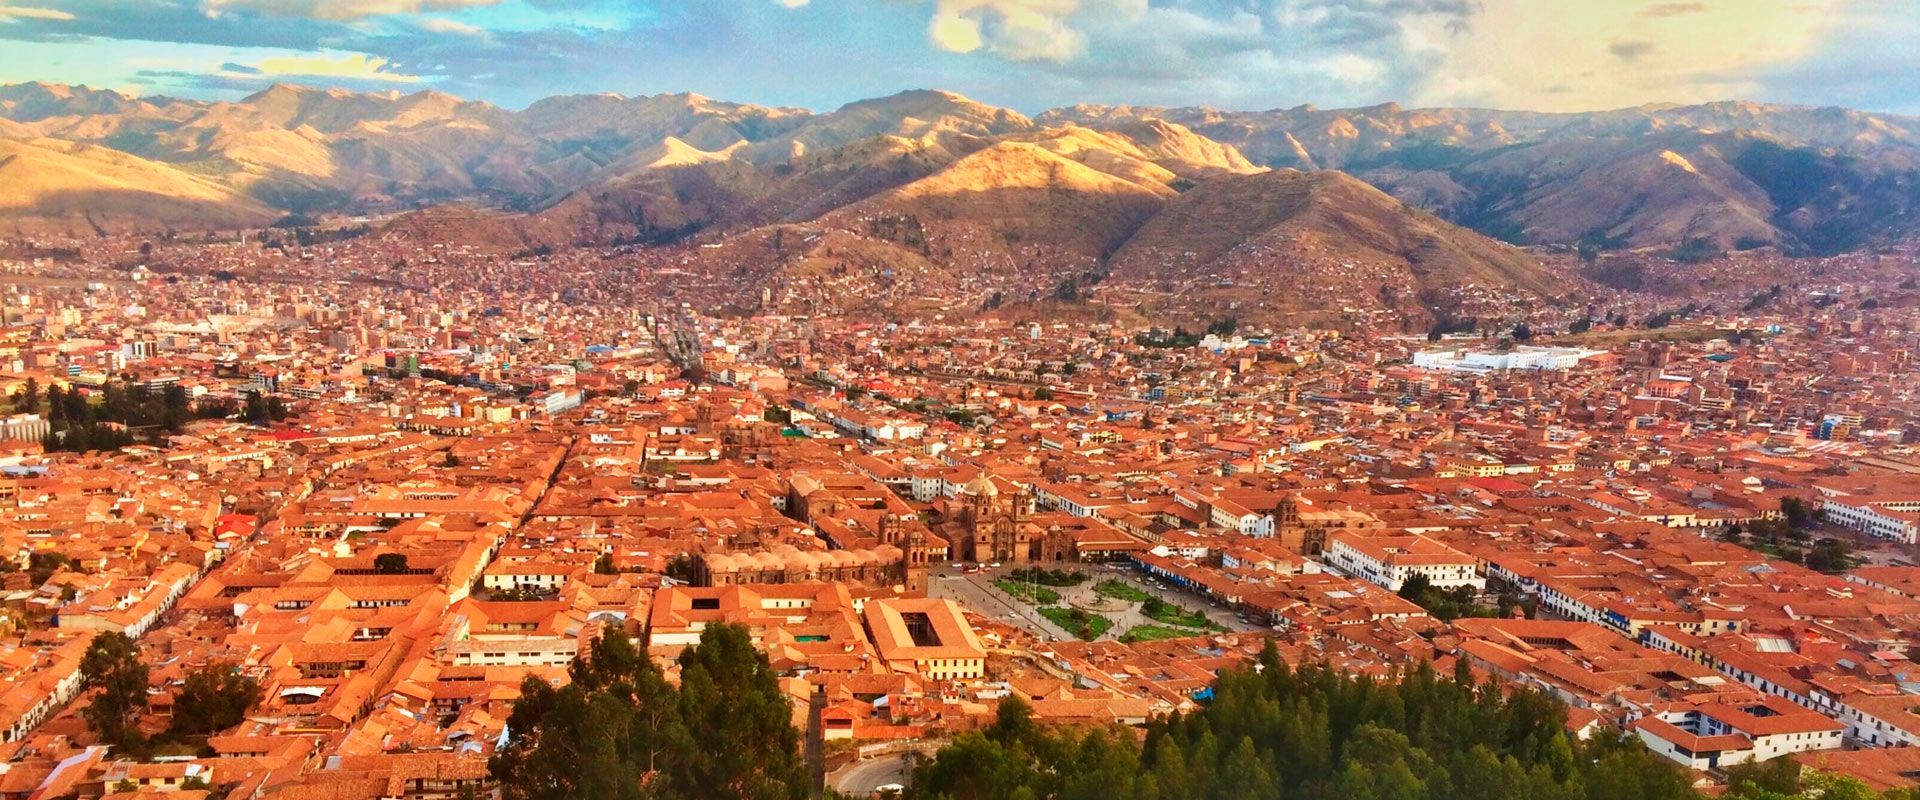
pixel 861 778
pixel 976 592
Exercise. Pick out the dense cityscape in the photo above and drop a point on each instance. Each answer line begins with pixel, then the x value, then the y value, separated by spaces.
pixel 959 400
pixel 315 537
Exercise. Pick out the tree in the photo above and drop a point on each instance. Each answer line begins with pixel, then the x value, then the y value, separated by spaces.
pixel 44 564
pixel 29 398
pixel 1523 332
pixel 619 730
pixel 1829 555
pixel 1273 731
pixel 390 563
pixel 213 698
pixel 176 407
pixel 733 707
pixel 1796 512
pixel 112 669
pixel 256 408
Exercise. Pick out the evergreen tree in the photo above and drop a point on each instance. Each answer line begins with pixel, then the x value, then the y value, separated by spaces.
pixel 619 730
pixel 112 668
pixel 1278 732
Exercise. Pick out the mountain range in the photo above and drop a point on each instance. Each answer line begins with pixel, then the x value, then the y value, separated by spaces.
pixel 935 185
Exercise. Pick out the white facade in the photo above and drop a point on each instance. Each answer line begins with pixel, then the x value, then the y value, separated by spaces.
pixel 1470 360
pixel 1381 561
pixel 1889 518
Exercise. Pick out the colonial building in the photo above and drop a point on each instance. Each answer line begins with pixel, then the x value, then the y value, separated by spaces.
pixel 997 524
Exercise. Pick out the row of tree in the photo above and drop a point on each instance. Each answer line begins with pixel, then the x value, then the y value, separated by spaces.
pixel 620 730
pixel 81 423
pixel 1273 732
pixel 1789 537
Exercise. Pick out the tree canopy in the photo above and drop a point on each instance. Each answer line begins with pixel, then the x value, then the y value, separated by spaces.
pixel 619 730
pixel 112 667
pixel 213 698
pixel 1273 732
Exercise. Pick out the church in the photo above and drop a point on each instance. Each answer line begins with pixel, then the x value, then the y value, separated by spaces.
pixel 996 526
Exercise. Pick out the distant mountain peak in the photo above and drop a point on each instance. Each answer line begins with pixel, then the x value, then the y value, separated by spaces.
pixel 1761 172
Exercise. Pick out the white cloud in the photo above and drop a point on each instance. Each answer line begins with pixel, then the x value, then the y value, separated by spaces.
pixel 338 9
pixel 1581 56
pixel 348 66
pixel 792 3
pixel 1354 69
pixel 954 33
pixel 443 25
pixel 16 13
pixel 1018 30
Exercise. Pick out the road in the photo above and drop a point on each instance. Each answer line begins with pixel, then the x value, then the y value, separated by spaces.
pixel 861 778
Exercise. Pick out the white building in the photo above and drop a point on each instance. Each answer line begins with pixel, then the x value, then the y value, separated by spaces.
pixel 1895 517
pixel 1524 357
pixel 1390 560
pixel 1717 736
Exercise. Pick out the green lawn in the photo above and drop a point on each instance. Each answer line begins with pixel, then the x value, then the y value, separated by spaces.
pixel 1031 595
pixel 1121 590
pixel 1079 623
pixel 1150 633
pixel 1049 577
pixel 1160 611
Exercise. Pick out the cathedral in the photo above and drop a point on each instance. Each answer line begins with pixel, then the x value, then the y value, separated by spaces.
pixel 998 526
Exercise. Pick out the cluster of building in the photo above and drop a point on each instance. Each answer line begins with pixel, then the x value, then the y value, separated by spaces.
pixel 481 463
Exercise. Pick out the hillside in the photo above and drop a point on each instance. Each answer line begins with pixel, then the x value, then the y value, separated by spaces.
pixel 1016 202
pixel 1318 245
pixel 652 168
pixel 1015 221
pixel 1820 179
pixel 52 185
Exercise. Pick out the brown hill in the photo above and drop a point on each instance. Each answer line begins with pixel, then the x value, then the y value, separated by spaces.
pixel 1820 179
pixel 61 185
pixel 1823 179
pixel 1321 243
pixel 1636 192
pixel 1012 221
pixel 1017 199
pixel 918 114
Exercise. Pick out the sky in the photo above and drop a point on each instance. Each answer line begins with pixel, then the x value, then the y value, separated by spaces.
pixel 1546 55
